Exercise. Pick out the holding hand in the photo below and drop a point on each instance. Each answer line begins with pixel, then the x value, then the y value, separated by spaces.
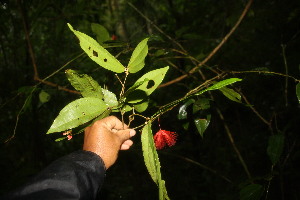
pixel 106 137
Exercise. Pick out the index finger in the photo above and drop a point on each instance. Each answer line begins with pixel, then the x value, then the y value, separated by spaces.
pixel 114 123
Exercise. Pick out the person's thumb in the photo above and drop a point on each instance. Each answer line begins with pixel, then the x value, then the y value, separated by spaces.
pixel 125 134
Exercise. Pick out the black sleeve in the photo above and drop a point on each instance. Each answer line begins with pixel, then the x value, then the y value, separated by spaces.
pixel 78 175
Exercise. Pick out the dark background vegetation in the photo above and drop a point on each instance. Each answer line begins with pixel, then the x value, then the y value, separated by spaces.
pixel 268 28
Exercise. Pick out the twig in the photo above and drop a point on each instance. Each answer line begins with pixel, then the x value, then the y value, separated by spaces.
pixel 255 111
pixel 32 56
pixel 201 165
pixel 265 72
pixel 214 51
pixel 286 73
pixel 155 26
pixel 228 132
pixel 18 116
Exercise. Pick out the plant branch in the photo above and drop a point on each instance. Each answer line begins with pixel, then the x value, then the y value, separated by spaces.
pixel 32 56
pixel 255 111
pixel 200 165
pixel 19 113
pixel 265 72
pixel 286 73
pixel 157 28
pixel 230 137
pixel 215 50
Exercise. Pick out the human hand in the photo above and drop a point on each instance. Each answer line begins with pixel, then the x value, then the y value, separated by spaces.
pixel 106 137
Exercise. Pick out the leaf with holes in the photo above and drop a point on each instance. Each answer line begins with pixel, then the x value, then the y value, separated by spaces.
pixel 97 53
pixel 137 60
pixel 78 112
pixel 154 77
pixel 85 84
pixel 152 161
pixel 135 86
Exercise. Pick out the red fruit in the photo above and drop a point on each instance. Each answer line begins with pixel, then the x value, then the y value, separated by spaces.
pixel 69 137
pixel 164 138
pixel 114 37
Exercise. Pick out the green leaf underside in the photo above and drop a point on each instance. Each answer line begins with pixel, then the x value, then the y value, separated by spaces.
pixel 251 192
pixel 152 161
pixel 85 84
pixel 275 147
pixel 231 94
pixel 202 124
pixel 100 32
pixel 155 77
pixel 137 60
pixel 220 84
pixel 97 53
pixel 78 112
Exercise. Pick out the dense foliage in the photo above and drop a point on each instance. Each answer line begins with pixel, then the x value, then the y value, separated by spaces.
pixel 250 149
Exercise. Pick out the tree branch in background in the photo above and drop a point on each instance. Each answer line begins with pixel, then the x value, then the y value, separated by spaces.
pixel 32 56
pixel 215 50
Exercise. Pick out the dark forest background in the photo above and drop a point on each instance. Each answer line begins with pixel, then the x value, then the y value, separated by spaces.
pixel 263 49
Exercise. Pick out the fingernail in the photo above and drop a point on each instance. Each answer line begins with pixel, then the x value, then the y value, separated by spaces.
pixel 132 132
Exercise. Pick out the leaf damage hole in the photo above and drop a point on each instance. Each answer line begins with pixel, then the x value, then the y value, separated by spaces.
pixel 105 60
pixel 150 84
pixel 89 48
pixel 95 53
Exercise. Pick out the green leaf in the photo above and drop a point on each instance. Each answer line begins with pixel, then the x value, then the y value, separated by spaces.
pixel 60 139
pixel 100 32
pixel 152 161
pixel 202 124
pixel 201 104
pixel 298 92
pixel 97 53
pixel 251 192
pixel 44 96
pixel 136 96
pixel 85 84
pixel 135 86
pixel 219 85
pixel 154 78
pixel 275 147
pixel 182 114
pixel 231 94
pixel 110 98
pixel 124 109
pixel 78 112
pixel 142 106
pixel 137 60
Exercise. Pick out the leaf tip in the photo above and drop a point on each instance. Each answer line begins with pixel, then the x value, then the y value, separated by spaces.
pixel 70 27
